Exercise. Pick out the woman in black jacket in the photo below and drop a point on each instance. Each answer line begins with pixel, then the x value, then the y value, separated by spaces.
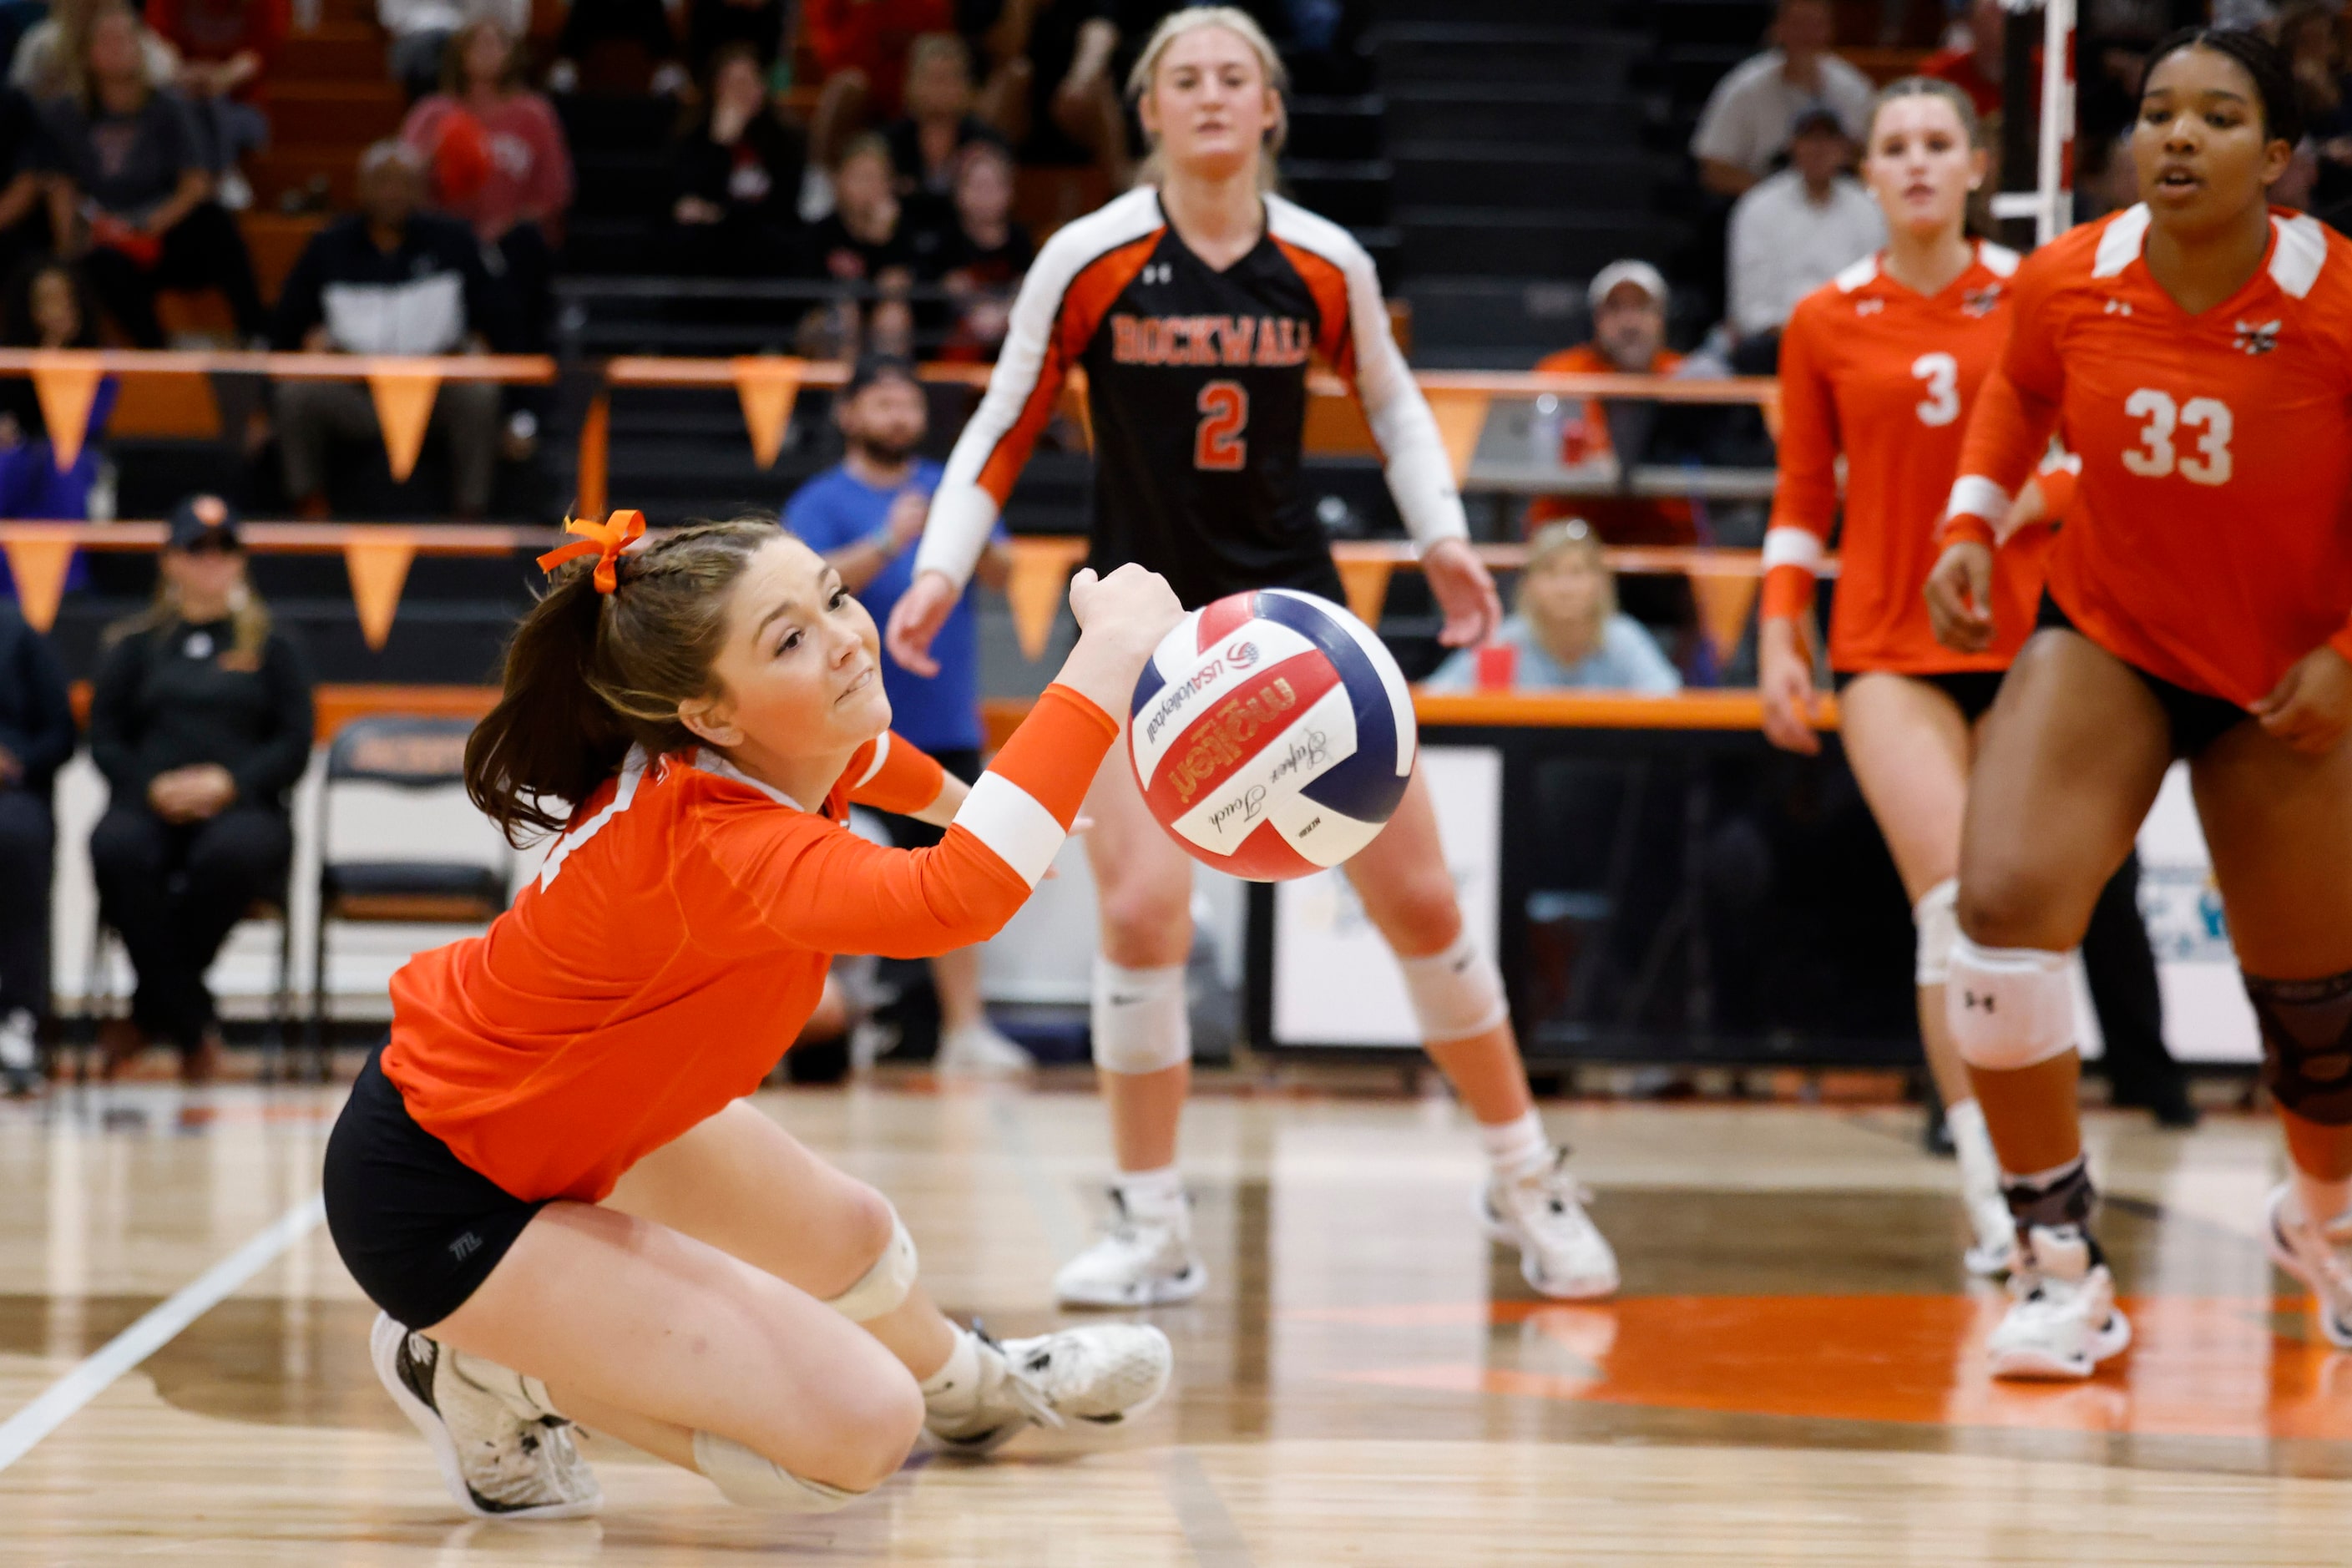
pixel 36 735
pixel 735 179
pixel 200 722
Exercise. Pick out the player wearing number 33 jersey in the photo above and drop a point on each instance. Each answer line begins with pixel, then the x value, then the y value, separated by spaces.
pixel 1196 382
pixel 2209 543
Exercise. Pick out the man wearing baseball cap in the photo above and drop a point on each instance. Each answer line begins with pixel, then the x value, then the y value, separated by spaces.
pixel 1629 301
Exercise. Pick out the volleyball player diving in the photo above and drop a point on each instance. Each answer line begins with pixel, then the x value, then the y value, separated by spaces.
pixel 1194 304
pixel 2196 350
pixel 548 1178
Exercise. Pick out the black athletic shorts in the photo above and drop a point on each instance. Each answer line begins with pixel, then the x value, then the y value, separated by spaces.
pixel 1971 691
pixel 909 834
pixel 2197 720
pixel 418 1227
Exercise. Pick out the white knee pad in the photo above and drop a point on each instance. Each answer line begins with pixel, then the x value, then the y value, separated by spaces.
pixel 1936 918
pixel 747 1480
pixel 2008 1008
pixel 1139 1020
pixel 885 1285
pixel 1455 993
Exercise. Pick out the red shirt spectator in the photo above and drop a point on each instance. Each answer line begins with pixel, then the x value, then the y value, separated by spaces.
pixel 872 37
pixel 528 174
pixel 225 34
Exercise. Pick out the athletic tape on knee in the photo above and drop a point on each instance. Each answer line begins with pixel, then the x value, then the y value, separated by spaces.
pixel 1936 920
pixel 1139 1020
pixel 2307 1045
pixel 1455 993
pixel 747 1480
pixel 2008 1008
pixel 885 1285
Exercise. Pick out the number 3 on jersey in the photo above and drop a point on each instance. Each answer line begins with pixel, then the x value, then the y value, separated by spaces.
pixel 1941 372
pixel 2154 457
pixel 1218 445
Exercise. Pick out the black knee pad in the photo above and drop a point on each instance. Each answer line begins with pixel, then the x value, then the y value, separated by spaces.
pixel 2307 1045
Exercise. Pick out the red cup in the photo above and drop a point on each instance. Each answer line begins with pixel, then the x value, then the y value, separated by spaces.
pixel 1498 665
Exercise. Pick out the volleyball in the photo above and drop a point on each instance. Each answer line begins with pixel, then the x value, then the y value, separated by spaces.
pixel 1272 734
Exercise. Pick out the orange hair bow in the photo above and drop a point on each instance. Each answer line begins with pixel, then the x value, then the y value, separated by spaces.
pixel 605 541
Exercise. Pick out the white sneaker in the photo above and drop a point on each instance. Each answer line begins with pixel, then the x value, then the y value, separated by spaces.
pixel 2315 1254
pixel 20 1053
pixel 2063 1322
pixel 1561 1251
pixel 1103 1375
pixel 1994 1251
pixel 1139 1260
pixel 504 1452
pixel 979 1050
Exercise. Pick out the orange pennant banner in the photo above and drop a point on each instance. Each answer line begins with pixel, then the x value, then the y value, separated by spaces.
pixel 1041 570
pixel 767 386
pixel 1367 583
pixel 595 431
pixel 67 384
pixel 403 407
pixel 1461 418
pixel 379 570
pixel 40 566
pixel 1723 600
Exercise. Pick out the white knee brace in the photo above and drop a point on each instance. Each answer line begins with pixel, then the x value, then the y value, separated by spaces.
pixel 1936 918
pixel 747 1480
pixel 885 1285
pixel 1140 1021
pixel 1455 993
pixel 2008 1008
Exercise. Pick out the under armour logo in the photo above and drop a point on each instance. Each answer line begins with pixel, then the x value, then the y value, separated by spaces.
pixel 2120 307
pixel 2257 337
pixel 1159 272
pixel 1969 1001
pixel 465 1246
pixel 1868 307
pixel 1980 302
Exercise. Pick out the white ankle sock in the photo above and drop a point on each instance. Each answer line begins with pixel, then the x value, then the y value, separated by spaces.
pixel 953 1387
pixel 1156 1192
pixel 1980 1168
pixel 1516 1148
pixel 2321 1201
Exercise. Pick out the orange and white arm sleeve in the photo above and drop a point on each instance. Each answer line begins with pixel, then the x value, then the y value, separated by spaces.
pixel 1805 498
pixel 2007 435
pixel 825 887
pixel 897 775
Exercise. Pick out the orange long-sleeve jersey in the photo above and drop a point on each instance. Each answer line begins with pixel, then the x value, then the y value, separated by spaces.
pixel 2209 543
pixel 676 939
pixel 1884 376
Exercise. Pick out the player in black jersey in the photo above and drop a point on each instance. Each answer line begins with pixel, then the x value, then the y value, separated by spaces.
pixel 1195 304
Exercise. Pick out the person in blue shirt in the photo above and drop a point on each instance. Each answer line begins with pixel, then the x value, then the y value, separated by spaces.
pixel 865 516
pixel 1565 630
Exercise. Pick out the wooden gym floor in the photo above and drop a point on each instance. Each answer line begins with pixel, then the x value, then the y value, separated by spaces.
pixel 1794 1373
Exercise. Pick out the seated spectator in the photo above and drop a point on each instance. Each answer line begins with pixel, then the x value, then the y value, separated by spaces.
pixel 986 254
pixel 1750 119
pixel 225 47
pixel 24 216
pixel 130 190
pixel 1051 87
pixel 621 49
pixel 1975 67
pixel 388 279
pixel 42 67
pixel 861 49
pixel 866 243
pixel 736 171
pixel 2311 36
pixel 938 124
pixel 712 25
pixel 1628 301
pixel 48 306
pixel 37 736
pixel 499 161
pixel 1564 631
pixel 422 31
pixel 201 721
pixel 1793 233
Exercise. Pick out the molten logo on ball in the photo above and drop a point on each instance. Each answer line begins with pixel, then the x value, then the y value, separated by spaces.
pixel 1271 733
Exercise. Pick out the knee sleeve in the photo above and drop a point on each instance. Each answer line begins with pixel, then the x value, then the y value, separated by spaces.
pixel 1935 916
pixel 2307 1045
pixel 2008 1008
pixel 884 1286
pixel 1455 993
pixel 747 1480
pixel 1140 1021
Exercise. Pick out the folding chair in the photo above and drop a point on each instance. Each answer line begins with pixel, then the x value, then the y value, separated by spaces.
pixel 98 992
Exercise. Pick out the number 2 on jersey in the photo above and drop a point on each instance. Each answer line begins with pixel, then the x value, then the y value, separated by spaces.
pixel 1942 374
pixel 1218 445
pixel 2154 457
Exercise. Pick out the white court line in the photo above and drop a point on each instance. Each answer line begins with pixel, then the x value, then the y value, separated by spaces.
pixel 151 1334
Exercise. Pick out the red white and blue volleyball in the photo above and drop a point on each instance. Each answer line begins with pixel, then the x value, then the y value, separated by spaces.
pixel 1272 734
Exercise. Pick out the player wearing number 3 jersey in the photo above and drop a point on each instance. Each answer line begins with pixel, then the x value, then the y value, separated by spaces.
pixel 2196 350
pixel 1195 305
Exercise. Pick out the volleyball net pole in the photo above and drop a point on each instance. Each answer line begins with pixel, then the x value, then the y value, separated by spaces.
pixel 2036 199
